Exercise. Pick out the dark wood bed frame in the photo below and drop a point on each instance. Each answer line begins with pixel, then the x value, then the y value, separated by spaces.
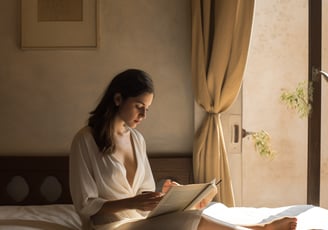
pixel 34 170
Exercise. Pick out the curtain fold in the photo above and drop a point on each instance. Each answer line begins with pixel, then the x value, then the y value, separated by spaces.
pixel 221 32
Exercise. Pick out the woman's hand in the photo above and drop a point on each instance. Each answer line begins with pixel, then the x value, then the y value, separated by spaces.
pixel 203 203
pixel 168 184
pixel 146 201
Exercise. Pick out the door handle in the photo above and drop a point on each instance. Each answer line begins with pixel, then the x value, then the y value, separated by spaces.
pixel 316 74
pixel 245 133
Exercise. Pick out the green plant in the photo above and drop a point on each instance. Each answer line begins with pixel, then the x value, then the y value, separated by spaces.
pixel 262 144
pixel 300 99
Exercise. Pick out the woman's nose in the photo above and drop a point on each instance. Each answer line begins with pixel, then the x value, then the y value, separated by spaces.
pixel 143 113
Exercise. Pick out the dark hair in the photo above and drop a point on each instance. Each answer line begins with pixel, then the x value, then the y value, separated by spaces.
pixel 129 83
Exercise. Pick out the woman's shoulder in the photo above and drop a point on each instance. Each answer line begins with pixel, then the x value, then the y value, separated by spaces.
pixel 84 133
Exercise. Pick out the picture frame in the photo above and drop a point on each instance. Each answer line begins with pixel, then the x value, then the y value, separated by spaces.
pixel 59 24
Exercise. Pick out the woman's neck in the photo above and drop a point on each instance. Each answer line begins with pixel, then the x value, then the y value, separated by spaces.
pixel 120 128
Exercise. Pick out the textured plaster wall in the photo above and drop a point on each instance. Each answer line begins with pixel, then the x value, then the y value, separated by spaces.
pixel 278 59
pixel 46 95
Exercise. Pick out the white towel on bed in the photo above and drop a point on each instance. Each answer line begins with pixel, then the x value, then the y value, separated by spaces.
pixel 308 216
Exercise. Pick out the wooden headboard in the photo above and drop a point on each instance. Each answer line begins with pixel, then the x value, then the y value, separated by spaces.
pixel 37 175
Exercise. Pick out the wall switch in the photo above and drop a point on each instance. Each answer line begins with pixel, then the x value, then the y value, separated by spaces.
pixel 234 134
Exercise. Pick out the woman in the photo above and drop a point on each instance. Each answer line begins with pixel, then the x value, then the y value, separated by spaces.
pixel 110 177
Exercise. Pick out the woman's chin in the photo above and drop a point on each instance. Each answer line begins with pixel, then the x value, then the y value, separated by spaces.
pixel 133 125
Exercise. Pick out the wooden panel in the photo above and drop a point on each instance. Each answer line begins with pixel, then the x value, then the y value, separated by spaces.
pixel 34 170
pixel 175 168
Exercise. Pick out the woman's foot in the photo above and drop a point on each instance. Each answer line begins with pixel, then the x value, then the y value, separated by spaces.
pixel 286 223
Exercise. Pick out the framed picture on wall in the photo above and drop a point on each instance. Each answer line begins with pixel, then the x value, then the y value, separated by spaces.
pixel 59 24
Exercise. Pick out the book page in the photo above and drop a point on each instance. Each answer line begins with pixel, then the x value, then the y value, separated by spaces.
pixel 178 198
pixel 201 196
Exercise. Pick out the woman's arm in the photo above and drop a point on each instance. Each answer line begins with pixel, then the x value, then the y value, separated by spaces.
pixel 146 201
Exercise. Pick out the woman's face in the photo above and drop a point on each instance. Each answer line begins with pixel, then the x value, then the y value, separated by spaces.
pixel 134 109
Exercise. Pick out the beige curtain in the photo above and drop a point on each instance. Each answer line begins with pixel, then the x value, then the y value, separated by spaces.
pixel 220 39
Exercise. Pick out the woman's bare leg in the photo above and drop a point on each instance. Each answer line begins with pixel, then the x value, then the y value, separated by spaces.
pixel 287 223
pixel 206 224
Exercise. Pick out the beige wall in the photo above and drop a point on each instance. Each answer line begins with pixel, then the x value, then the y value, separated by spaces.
pixel 45 96
pixel 278 59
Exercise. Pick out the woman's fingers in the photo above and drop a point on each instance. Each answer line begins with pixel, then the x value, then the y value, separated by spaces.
pixel 149 200
pixel 168 184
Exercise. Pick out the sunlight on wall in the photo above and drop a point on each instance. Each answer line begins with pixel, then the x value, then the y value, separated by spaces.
pixel 278 59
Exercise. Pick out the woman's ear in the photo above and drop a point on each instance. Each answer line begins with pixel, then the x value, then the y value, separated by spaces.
pixel 117 99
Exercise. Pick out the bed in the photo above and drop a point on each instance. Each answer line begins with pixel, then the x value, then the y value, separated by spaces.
pixel 34 190
pixel 35 195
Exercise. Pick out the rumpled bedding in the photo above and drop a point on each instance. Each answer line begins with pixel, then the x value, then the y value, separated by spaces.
pixel 48 217
pixel 64 217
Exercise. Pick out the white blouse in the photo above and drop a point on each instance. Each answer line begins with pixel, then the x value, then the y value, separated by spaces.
pixel 96 178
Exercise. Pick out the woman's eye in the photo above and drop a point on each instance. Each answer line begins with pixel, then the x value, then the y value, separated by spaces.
pixel 140 107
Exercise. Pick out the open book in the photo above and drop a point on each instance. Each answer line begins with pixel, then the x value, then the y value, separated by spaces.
pixel 183 197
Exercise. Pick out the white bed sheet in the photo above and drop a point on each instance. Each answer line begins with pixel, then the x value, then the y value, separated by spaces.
pixel 308 216
pixel 49 217
pixel 64 217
